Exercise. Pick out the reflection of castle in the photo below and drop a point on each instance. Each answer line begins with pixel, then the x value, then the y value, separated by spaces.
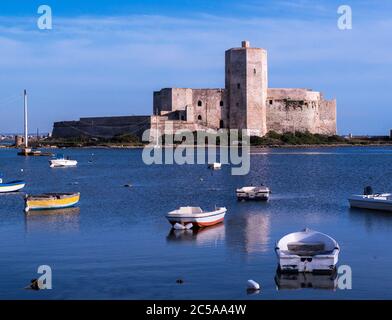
pixel 251 232
pixel 246 102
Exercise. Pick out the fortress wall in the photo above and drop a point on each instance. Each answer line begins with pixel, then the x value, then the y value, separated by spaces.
pixel 210 110
pixel 102 127
pixel 295 115
pixel 327 121
pixel 293 94
pixel 162 100
pixel 181 97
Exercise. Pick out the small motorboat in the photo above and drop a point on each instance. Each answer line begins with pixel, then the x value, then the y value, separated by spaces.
pixel 61 161
pixel 195 217
pixel 253 193
pixel 11 186
pixel 371 200
pixel 307 251
pixel 215 165
pixel 51 201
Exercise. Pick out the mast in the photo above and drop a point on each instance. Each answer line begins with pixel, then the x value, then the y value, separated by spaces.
pixel 25 118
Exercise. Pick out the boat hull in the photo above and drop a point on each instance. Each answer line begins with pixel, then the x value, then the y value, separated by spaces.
pixel 372 204
pixel 314 264
pixel 251 196
pixel 45 204
pixel 62 163
pixel 197 222
pixel 11 187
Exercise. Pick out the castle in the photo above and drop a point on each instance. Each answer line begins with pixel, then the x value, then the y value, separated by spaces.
pixel 246 102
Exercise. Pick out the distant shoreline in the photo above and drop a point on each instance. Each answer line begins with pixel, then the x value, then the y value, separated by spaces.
pixel 281 146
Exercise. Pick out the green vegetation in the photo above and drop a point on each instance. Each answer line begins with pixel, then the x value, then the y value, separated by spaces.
pixel 123 140
pixel 273 138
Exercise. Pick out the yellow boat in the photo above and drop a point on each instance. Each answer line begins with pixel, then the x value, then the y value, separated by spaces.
pixel 51 201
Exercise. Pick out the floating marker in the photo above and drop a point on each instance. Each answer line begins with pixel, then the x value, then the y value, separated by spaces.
pixel 179 226
pixel 253 285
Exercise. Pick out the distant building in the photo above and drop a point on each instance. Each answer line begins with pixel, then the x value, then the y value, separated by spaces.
pixel 246 102
pixel 19 141
pixel 102 127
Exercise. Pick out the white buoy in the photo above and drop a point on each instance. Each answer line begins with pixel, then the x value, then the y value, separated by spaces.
pixel 179 226
pixel 188 226
pixel 21 170
pixel 253 285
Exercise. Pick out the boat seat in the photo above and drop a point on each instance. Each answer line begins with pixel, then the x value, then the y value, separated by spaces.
pixel 306 248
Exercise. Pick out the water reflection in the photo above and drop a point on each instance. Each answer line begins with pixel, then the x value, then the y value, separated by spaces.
pixel 304 280
pixel 250 231
pixel 203 236
pixel 59 220
pixel 372 219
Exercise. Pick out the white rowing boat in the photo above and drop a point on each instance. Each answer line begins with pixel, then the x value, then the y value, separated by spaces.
pixel 307 251
pixel 191 217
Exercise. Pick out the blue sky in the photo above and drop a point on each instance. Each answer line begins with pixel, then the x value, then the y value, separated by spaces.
pixel 106 57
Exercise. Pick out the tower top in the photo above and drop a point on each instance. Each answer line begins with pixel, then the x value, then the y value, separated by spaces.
pixel 245 44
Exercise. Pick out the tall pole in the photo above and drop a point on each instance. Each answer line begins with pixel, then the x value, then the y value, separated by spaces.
pixel 25 119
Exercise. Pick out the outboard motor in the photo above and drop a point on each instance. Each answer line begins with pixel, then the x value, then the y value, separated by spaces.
pixel 368 191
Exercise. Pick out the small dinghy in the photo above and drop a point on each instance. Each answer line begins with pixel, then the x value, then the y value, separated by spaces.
pixel 11 186
pixel 51 201
pixel 195 217
pixel 370 200
pixel 253 193
pixel 307 251
pixel 215 166
pixel 61 161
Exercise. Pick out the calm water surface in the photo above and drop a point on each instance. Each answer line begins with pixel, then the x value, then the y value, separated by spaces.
pixel 118 245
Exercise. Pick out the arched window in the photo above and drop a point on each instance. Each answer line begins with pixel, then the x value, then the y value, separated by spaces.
pixel 221 124
pixel 199 117
pixel 221 103
pixel 199 103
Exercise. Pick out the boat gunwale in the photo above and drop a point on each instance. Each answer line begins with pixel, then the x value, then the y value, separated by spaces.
pixel 12 183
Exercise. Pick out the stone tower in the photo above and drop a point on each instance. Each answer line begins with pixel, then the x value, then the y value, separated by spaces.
pixel 246 83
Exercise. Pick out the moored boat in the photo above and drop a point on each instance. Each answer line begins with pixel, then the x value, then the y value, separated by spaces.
pixel 307 251
pixel 253 193
pixel 11 186
pixel 61 161
pixel 51 201
pixel 196 216
pixel 215 166
pixel 371 200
